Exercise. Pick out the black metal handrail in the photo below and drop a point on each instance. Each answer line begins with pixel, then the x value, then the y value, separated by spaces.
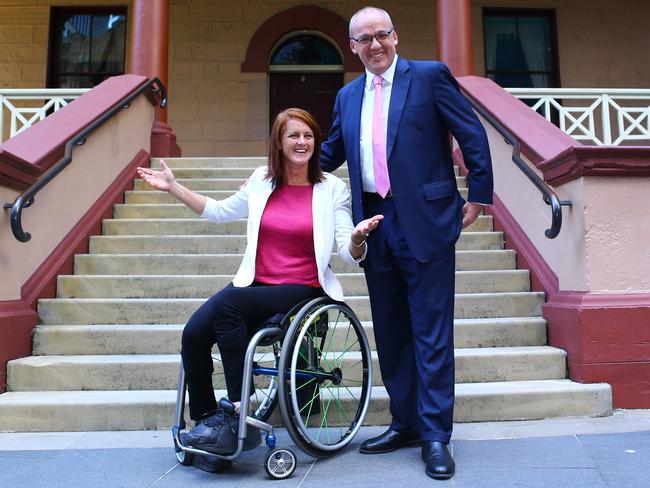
pixel 549 196
pixel 26 199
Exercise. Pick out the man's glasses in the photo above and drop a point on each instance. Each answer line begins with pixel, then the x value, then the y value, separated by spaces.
pixel 366 39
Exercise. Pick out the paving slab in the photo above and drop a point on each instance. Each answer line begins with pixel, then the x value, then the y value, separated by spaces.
pixel 611 452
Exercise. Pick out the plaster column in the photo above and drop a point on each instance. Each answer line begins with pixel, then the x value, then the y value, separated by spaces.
pixel 454 27
pixel 149 55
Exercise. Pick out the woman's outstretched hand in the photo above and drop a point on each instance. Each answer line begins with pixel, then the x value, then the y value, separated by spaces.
pixel 364 228
pixel 162 179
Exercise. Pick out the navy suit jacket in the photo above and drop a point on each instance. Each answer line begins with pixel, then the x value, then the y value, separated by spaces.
pixel 425 106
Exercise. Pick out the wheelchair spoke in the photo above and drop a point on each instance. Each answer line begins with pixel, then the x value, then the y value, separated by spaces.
pixel 351 394
pixel 333 332
pixel 305 384
pixel 311 405
pixel 324 421
pixel 353 365
pixel 340 404
pixel 344 351
pixel 360 382
pixel 347 335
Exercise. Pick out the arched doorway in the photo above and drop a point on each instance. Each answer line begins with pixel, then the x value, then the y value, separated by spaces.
pixel 305 71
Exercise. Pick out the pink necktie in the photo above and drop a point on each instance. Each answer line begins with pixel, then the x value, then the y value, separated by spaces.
pixel 379 165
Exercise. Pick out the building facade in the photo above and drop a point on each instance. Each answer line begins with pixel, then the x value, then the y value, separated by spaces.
pixel 232 64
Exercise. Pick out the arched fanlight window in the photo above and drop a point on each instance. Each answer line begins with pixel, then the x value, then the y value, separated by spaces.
pixel 306 50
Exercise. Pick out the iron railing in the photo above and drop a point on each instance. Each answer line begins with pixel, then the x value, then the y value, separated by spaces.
pixel 26 199
pixel 548 195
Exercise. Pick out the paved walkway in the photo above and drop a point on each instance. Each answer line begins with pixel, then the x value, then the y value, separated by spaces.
pixel 608 452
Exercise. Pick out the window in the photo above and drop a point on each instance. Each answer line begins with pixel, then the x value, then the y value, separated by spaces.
pixel 306 49
pixel 87 45
pixel 520 48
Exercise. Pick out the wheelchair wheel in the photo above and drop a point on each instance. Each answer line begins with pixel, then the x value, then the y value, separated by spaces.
pixel 185 458
pixel 325 377
pixel 280 463
pixel 265 386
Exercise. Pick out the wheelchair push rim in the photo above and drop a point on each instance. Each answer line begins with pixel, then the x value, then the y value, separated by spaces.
pixel 335 359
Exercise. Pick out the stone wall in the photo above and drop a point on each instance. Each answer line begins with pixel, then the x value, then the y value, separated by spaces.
pixel 214 108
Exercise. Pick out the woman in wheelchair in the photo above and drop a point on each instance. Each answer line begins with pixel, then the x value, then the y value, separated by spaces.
pixel 295 215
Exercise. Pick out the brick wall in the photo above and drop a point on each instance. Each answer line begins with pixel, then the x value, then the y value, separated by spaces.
pixel 24 31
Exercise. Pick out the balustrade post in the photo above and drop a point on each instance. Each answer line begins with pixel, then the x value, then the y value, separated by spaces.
pixel 607 130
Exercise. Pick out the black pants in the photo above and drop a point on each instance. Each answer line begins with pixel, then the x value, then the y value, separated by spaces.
pixel 225 319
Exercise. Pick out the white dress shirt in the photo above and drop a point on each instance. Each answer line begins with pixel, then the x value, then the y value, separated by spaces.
pixel 367 108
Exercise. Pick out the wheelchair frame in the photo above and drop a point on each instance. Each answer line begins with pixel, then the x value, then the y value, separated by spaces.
pixel 281 462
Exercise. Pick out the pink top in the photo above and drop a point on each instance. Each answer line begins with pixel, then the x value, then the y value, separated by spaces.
pixel 285 247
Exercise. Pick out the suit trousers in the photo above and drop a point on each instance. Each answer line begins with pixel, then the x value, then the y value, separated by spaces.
pixel 226 319
pixel 412 305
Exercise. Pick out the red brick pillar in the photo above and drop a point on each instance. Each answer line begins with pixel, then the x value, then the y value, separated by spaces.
pixel 454 25
pixel 149 54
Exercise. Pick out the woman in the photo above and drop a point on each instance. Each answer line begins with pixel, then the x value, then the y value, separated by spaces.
pixel 295 214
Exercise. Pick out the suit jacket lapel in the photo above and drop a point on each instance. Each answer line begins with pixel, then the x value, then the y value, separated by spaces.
pixel 401 83
pixel 353 116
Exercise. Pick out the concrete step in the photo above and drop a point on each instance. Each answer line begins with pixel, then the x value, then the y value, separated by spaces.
pixel 59 311
pixel 160 197
pixel 211 162
pixel 229 183
pixel 190 286
pixel 73 411
pixel 192 173
pixel 160 371
pixel 166 338
pixel 203 172
pixel 153 211
pixel 227 264
pixel 230 244
pixel 199 226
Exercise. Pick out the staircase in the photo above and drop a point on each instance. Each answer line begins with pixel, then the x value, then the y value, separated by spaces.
pixel 106 352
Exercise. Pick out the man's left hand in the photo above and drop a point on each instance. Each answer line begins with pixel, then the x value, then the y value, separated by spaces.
pixel 471 211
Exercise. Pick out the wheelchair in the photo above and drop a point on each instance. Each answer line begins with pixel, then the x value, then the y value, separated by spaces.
pixel 316 364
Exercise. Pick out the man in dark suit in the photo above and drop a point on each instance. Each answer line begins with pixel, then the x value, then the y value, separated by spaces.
pixel 392 126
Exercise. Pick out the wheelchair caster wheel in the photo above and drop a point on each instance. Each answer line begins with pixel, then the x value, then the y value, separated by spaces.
pixel 185 458
pixel 280 463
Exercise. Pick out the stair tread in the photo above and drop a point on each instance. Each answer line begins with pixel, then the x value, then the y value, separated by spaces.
pixel 488 349
pixel 38 361
pixel 113 396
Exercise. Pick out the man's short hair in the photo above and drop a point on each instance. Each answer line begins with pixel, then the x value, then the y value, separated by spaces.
pixel 365 9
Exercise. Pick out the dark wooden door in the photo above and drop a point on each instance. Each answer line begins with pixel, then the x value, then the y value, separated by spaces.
pixel 314 92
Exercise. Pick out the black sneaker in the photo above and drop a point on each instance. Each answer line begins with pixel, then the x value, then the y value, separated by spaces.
pixel 209 463
pixel 214 434
pixel 218 434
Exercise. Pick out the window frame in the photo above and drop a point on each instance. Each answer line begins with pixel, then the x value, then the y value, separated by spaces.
pixel 51 75
pixel 550 15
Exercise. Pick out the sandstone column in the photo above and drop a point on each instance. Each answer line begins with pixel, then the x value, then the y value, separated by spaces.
pixel 149 54
pixel 454 26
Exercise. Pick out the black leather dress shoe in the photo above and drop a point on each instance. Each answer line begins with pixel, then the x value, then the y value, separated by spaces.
pixel 438 461
pixel 389 441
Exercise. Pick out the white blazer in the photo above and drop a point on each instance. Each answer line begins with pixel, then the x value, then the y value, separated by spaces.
pixel 332 221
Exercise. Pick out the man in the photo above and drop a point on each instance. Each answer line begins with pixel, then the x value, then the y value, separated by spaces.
pixel 392 126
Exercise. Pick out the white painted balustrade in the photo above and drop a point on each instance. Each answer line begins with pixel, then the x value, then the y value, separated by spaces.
pixel 604 117
pixel 595 116
pixel 22 108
